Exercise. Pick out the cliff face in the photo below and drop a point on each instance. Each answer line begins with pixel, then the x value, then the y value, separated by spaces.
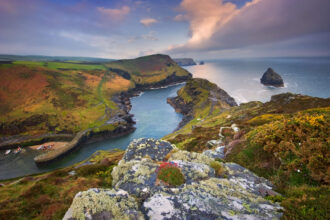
pixel 185 61
pixel 211 189
pixel 197 96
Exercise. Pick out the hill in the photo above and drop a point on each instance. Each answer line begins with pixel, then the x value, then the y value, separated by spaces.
pixel 57 99
pixel 4 57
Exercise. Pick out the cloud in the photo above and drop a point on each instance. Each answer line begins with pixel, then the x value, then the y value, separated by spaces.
pixel 150 36
pixel 205 17
pixel 148 21
pixel 115 13
pixel 215 25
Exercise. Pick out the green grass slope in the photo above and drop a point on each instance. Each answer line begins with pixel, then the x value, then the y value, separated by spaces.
pixel 148 69
pixel 39 97
pixel 49 195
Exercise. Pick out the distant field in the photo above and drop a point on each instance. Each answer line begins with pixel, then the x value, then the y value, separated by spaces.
pixel 62 65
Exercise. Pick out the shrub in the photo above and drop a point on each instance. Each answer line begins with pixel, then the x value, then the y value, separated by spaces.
pixel 170 174
pixel 92 169
pixel 219 170
pixel 302 143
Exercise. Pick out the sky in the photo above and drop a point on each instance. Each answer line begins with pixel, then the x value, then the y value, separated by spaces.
pixel 201 29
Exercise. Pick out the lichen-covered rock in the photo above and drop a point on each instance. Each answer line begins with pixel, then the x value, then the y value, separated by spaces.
pixel 190 157
pixel 194 171
pixel 103 204
pixel 210 199
pixel 148 147
pixel 214 143
pixel 248 180
pixel 202 196
pixel 138 177
pixel 217 153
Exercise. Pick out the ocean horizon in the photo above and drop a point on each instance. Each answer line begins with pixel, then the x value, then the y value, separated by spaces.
pixel 241 77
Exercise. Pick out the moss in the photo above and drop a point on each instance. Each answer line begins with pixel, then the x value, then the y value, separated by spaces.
pixel 219 170
pixel 171 175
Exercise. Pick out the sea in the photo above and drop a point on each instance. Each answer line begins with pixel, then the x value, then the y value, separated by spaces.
pixel 240 78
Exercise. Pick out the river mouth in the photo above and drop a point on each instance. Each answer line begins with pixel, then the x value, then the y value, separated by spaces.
pixel 154 119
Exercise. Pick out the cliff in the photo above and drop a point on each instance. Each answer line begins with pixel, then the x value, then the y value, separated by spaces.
pixel 200 94
pixel 185 61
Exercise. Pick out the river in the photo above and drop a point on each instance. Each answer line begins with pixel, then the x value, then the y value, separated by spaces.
pixel 154 119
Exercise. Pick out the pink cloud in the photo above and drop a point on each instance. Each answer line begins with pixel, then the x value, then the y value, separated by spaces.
pixel 148 21
pixel 115 13
pixel 215 25
pixel 205 17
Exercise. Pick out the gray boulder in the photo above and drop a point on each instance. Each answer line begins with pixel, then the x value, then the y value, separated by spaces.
pixel 148 147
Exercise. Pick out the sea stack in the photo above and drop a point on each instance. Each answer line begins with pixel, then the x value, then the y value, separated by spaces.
pixel 271 78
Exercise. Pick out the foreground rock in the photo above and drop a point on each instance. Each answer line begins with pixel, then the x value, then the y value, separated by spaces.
pixel 138 194
pixel 271 78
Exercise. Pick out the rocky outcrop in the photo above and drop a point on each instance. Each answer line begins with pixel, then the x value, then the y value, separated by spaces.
pixel 138 194
pixel 271 78
pixel 170 80
pixel 185 61
pixel 198 93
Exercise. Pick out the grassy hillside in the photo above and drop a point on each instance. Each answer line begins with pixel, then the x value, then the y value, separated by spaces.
pixel 148 69
pixel 49 195
pixel 39 97
pixel 285 140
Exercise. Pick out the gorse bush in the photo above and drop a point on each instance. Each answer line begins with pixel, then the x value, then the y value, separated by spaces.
pixel 170 174
pixel 301 142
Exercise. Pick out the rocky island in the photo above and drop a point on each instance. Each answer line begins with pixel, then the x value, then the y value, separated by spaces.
pixel 271 78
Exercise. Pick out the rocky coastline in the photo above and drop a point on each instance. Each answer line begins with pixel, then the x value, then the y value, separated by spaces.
pixel 185 61
pixel 123 119
pixel 216 96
